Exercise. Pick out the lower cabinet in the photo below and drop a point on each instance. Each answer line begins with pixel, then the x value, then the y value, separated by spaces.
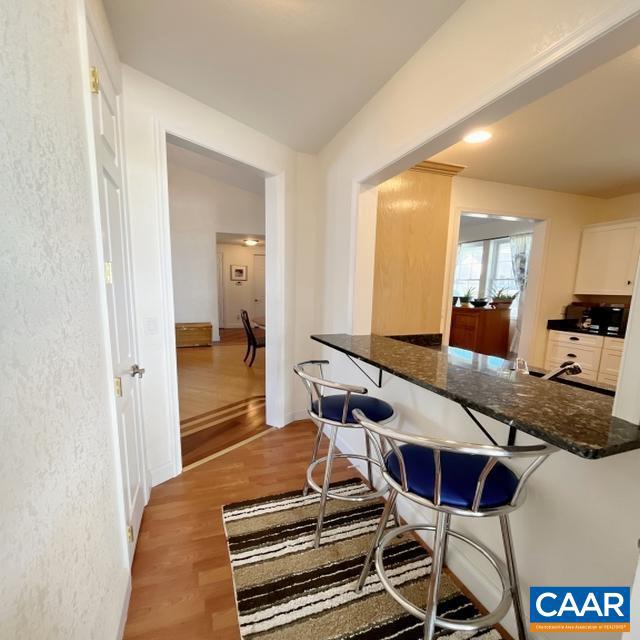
pixel 193 334
pixel 480 330
pixel 598 356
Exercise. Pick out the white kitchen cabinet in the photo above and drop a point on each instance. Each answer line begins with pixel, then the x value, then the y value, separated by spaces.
pixel 608 258
pixel 599 357
pixel 610 360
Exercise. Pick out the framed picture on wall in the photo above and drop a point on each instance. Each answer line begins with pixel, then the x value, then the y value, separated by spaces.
pixel 238 272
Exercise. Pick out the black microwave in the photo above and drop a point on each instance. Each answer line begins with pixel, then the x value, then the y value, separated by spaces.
pixel 603 319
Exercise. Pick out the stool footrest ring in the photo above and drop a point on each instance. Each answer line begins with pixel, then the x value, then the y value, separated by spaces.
pixel 454 625
pixel 360 497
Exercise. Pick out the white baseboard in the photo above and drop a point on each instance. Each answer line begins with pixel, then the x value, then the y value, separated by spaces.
pixel 162 474
pixel 294 416
pixel 483 584
pixel 125 608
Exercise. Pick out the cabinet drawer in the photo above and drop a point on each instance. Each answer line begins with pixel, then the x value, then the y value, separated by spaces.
pixel 587 356
pixel 589 374
pixel 583 339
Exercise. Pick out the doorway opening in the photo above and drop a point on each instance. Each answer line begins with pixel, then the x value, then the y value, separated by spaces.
pixel 490 282
pixel 218 253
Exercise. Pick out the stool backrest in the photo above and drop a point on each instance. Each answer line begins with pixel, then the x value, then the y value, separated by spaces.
pixel 316 385
pixel 391 438
pixel 248 329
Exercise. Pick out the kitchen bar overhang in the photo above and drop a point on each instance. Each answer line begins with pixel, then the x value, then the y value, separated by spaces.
pixel 574 419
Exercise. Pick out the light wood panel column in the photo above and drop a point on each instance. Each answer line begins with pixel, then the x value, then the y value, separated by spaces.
pixel 411 248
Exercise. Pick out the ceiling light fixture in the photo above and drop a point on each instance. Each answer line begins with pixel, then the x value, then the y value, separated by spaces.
pixel 477 136
pixel 250 243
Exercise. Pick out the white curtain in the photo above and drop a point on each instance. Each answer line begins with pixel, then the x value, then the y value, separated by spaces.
pixel 520 250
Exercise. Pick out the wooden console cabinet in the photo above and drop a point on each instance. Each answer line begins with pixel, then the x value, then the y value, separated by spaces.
pixel 193 334
pixel 481 330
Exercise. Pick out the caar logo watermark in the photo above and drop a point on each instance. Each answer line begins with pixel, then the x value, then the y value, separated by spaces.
pixel 574 609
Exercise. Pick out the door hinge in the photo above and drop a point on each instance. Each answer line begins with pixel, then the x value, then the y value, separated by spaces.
pixel 108 273
pixel 130 533
pixel 94 80
pixel 117 384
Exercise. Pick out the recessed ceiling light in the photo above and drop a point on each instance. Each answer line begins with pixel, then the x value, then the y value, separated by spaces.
pixel 477 136
pixel 250 243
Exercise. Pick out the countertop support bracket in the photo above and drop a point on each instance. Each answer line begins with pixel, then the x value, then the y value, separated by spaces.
pixel 377 382
pixel 479 425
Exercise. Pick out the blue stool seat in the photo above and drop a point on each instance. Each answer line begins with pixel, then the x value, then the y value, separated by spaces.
pixel 374 409
pixel 460 473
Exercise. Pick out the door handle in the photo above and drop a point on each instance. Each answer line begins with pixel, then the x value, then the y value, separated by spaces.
pixel 574 338
pixel 136 371
pixel 569 355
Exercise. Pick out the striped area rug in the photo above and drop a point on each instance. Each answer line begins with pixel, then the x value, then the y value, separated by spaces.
pixel 287 590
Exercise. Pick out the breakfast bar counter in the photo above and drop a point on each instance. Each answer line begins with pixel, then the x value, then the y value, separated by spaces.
pixel 575 419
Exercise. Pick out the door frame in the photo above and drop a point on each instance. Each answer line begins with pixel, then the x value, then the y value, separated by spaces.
pixel 87 30
pixel 535 273
pixel 254 280
pixel 275 287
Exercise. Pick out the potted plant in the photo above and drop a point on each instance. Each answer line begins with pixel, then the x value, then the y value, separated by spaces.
pixel 502 300
pixel 466 298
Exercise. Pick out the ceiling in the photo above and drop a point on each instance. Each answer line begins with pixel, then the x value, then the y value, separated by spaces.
pixel 583 138
pixel 296 70
pixel 239 238
pixel 195 158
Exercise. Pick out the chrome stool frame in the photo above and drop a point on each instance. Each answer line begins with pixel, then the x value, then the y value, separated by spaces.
pixel 315 386
pixel 508 578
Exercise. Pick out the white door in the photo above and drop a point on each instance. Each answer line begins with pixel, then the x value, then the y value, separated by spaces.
pixel 116 247
pixel 258 287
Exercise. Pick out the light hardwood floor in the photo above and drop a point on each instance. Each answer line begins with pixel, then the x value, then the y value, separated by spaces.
pixel 221 398
pixel 213 377
pixel 182 584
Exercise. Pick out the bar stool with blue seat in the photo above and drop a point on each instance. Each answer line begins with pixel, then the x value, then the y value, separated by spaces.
pixel 453 478
pixel 336 411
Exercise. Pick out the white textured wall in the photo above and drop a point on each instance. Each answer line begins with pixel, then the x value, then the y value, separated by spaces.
pixel 201 206
pixel 63 563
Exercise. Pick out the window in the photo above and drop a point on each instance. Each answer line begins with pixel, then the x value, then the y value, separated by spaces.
pixel 485 267
pixel 469 268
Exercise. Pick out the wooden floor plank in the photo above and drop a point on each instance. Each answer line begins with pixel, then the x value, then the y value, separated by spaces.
pixel 182 584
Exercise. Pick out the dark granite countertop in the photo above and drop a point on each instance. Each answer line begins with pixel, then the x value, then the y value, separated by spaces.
pixel 573 419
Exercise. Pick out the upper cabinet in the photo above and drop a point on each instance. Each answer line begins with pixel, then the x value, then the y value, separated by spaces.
pixel 608 258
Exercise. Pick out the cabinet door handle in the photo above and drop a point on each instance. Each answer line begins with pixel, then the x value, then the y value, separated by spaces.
pixel 628 281
pixel 574 338
pixel 571 355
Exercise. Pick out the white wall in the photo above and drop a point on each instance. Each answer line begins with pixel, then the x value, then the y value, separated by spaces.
pixel 63 559
pixel 559 538
pixel 291 219
pixel 201 206
pixel 237 294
